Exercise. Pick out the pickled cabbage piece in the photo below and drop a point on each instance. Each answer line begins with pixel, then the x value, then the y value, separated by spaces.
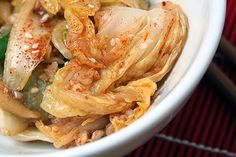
pixel 8 103
pixel 81 38
pixel 11 124
pixel 32 134
pixel 65 131
pixel 138 44
pixel 126 117
pixel 71 85
pixel 28 43
pixel 52 6
pixel 157 64
pixel 59 35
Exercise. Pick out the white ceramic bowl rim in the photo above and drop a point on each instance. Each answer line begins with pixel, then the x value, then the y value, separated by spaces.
pixel 178 93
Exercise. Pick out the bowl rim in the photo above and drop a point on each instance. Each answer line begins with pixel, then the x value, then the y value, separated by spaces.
pixel 179 93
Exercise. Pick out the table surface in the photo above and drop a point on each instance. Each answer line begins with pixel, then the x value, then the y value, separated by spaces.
pixel 206 126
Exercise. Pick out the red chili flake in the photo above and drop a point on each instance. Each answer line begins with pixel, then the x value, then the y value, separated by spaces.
pixel 163 3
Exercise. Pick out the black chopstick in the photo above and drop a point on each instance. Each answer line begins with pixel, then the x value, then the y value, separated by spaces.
pixel 228 50
pixel 219 80
pixel 222 83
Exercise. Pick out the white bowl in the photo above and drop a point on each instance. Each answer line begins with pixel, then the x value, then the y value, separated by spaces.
pixel 206 20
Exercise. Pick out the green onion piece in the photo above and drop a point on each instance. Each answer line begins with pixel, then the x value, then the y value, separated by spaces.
pixel 4 36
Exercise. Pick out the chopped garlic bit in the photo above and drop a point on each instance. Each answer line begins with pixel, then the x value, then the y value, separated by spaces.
pixel 144 45
pixel 35 45
pixel 66 63
pixel 28 35
pixel 109 129
pixel 17 95
pixel 5 90
pixel 117 40
pixel 34 90
pixel 25 47
pixel 114 41
pixel 35 51
pixel 97 135
pixel 91 6
pixel 129 112
pixel 92 60
pixel 44 18
pixel 49 4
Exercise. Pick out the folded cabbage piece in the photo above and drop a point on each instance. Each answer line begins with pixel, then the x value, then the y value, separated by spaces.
pixel 11 124
pixel 32 134
pixel 80 37
pixel 28 43
pixel 69 94
pixel 157 63
pixel 155 41
pixel 67 130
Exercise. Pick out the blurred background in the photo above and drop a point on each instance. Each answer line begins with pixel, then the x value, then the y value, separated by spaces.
pixel 206 126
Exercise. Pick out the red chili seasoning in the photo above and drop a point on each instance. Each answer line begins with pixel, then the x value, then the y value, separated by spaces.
pixel 163 3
